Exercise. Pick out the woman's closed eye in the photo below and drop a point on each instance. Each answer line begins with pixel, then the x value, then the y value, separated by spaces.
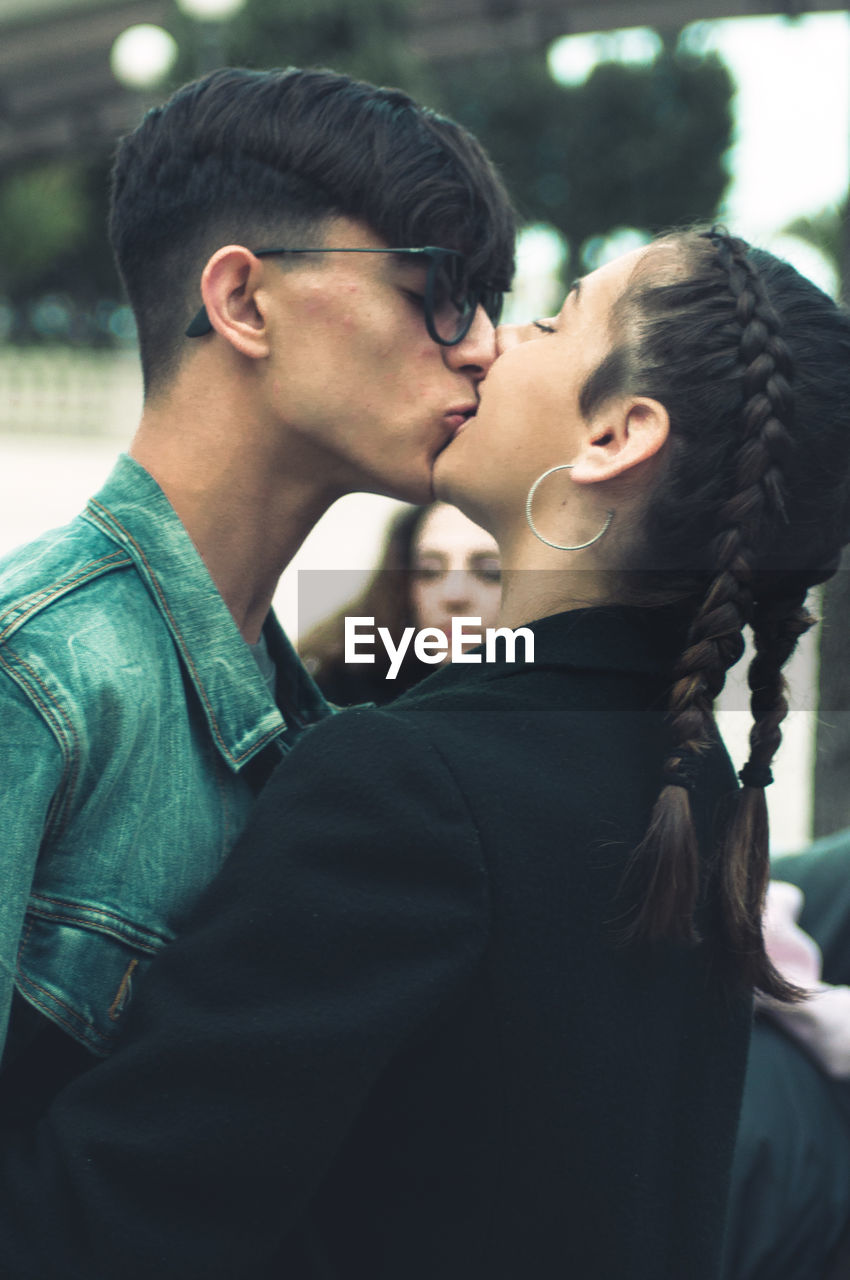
pixel 543 326
pixel 427 572
pixel 486 570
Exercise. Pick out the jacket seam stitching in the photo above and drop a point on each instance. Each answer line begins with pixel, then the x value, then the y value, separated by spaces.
pixel 83 919
pixel 78 1024
pixel 25 937
pixel 39 599
pixel 225 813
pixel 109 515
pixel 106 932
pixel 55 715
pixel 49 1008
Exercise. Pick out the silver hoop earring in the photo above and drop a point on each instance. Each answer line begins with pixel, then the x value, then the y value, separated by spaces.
pixel 560 546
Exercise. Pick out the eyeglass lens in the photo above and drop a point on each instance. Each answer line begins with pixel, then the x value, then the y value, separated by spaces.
pixel 453 300
pixel 452 303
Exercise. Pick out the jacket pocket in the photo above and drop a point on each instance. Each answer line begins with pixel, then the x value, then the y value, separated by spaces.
pixel 79 965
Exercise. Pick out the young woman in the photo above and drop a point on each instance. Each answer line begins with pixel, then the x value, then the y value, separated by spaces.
pixel 471 999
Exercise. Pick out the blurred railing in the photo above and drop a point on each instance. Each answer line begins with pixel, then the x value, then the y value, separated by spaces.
pixel 61 391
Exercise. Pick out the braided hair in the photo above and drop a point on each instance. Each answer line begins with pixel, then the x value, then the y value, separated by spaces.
pixel 752 363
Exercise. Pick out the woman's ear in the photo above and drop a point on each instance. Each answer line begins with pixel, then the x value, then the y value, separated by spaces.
pixel 626 431
pixel 234 300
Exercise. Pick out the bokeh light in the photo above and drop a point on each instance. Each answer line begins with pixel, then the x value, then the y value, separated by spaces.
pixel 143 55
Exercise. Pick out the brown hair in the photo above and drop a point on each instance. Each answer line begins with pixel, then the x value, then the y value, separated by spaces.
pixel 386 598
pixel 750 510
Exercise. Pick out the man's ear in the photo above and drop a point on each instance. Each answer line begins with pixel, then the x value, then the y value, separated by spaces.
pixel 626 431
pixel 235 302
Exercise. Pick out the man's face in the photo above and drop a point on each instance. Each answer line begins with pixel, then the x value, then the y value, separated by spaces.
pixel 365 398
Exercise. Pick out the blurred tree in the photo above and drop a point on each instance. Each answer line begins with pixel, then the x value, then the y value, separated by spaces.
pixel 635 146
pixel 43 213
pixel 827 231
pixel 639 147
pixel 364 38
pixel 53 241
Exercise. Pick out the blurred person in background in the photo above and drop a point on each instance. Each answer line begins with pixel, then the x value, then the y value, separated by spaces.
pixel 789 1215
pixel 314 265
pixel 472 997
pixel 435 565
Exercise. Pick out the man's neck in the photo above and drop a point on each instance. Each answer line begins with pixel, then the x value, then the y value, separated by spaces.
pixel 246 511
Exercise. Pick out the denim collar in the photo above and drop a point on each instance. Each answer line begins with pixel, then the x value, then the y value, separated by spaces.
pixel 134 513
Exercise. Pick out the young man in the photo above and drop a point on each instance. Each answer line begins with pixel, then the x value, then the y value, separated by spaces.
pixel 348 251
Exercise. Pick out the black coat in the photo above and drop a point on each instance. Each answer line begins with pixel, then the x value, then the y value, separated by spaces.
pixel 400 1041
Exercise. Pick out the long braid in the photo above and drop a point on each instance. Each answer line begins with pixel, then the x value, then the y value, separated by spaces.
pixel 777 626
pixel 745 521
pixel 668 857
pixel 777 622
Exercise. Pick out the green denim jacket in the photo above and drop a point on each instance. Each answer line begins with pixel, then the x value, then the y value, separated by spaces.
pixel 135 729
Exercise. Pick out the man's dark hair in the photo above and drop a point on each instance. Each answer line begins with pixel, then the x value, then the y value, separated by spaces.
pixel 248 156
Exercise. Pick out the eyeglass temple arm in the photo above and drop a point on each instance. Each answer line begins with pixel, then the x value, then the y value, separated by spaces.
pixel 200 323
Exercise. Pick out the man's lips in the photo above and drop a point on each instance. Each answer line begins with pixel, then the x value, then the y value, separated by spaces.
pixel 456 419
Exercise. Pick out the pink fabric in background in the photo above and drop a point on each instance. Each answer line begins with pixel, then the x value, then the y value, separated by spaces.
pixel 821 1023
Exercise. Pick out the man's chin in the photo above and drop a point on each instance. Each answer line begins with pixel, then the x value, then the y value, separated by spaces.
pixel 441 476
pixel 416 489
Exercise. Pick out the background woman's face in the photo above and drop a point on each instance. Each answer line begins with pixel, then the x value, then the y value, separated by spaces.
pixel 454 571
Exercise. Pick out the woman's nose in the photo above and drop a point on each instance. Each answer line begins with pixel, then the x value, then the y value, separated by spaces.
pixel 455 587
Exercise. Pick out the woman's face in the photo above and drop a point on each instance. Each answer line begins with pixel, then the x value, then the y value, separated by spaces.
pixel 528 418
pixel 455 571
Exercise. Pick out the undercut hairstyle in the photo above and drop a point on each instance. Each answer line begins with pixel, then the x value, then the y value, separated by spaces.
pixel 750 510
pixel 264 158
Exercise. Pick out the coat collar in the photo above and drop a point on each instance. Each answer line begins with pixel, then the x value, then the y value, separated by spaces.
pixel 606 638
pixel 611 638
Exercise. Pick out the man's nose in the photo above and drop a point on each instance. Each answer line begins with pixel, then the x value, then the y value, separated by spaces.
pixel 476 350
pixel 512 335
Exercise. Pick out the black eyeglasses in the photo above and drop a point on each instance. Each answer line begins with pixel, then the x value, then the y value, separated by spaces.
pixel 450 299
